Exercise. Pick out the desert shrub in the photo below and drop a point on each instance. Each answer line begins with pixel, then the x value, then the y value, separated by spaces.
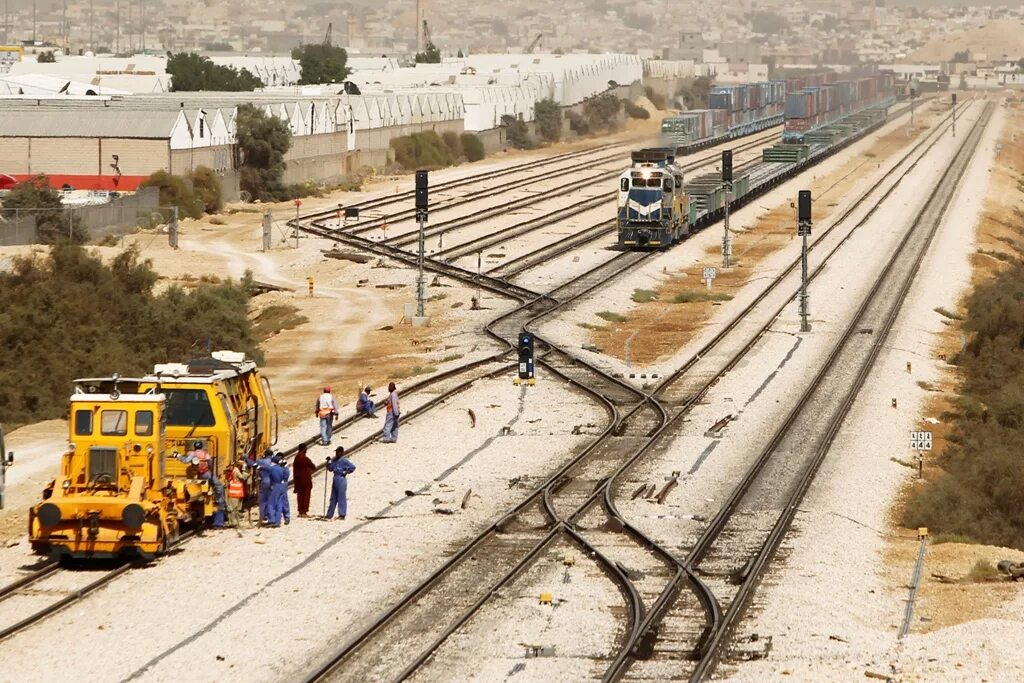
pixel 175 191
pixel 517 132
pixel 453 144
pixel 602 111
pixel 421 150
pixel 68 314
pixel 577 123
pixel 207 190
pixel 643 296
pixel 473 146
pixel 548 115
pixel 979 492
pixel 635 111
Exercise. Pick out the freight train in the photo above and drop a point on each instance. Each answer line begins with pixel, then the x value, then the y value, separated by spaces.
pixel 652 204
pixel 131 482
pixel 733 111
pixel 704 197
pixel 813 107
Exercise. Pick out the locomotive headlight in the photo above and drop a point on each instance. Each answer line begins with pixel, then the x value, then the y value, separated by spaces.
pixel 149 450
pixel 66 485
pixel 645 174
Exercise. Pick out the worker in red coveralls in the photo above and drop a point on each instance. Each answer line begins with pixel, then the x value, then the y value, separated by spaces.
pixel 303 468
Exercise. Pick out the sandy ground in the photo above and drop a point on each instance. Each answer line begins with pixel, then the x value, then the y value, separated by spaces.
pixel 833 607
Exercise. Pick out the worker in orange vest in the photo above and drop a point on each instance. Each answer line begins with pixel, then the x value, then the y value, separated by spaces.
pixel 237 477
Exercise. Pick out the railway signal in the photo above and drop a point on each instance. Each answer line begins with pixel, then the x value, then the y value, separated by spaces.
pixel 422 182
pixel 525 358
pixel 803 229
pixel 954 114
pixel 727 182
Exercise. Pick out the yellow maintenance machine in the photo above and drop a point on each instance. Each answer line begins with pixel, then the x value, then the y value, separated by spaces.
pixel 131 481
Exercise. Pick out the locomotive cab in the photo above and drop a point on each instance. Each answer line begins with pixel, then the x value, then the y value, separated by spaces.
pixel 109 498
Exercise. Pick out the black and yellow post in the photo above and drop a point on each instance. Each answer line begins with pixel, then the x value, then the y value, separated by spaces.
pixel 525 359
pixel 309 281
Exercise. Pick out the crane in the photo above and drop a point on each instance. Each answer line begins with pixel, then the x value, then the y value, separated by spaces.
pixel 533 43
pixel 426 35
pixel 327 36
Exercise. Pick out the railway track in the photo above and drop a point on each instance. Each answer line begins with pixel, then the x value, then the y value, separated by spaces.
pixel 566 497
pixel 741 540
pixel 401 197
pixel 555 359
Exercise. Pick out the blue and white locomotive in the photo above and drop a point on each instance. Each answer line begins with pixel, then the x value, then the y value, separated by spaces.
pixel 652 208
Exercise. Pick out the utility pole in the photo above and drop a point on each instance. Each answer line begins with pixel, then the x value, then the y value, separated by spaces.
pixel 92 45
pixel 143 26
pixel 727 185
pixel 803 228
pixel 7 23
pixel 117 28
pixel 33 22
pixel 422 182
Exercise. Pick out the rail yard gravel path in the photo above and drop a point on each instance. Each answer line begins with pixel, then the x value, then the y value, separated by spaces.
pixel 833 607
pixel 229 608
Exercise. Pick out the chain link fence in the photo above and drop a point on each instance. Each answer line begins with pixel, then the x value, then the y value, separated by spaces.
pixel 99 222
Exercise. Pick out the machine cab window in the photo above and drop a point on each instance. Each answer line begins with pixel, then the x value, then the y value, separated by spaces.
pixel 83 423
pixel 667 185
pixel 114 423
pixel 144 423
pixel 189 408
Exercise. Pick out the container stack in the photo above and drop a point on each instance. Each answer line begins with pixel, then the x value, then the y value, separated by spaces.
pixel 815 106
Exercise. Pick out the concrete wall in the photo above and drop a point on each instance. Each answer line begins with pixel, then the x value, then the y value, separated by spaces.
pixel 118 217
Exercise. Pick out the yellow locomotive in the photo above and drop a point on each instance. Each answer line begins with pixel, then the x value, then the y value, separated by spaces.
pixel 131 482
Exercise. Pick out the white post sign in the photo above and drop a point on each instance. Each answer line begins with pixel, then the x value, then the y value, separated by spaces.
pixel 709 274
pixel 921 441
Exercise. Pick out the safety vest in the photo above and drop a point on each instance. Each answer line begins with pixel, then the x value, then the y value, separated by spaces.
pixel 326 402
pixel 236 487
pixel 203 466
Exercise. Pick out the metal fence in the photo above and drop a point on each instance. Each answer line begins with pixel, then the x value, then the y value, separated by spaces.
pixel 117 217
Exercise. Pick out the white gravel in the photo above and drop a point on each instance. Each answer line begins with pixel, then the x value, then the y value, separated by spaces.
pixel 305 587
pixel 835 581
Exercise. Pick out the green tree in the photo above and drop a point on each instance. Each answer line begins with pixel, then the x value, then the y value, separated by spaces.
pixel 961 57
pixel 193 73
pixel 69 314
pixel 548 116
pixel 262 141
pixel 177 192
pixel 207 189
pixel 36 199
pixel 602 111
pixel 46 57
pixel 321 64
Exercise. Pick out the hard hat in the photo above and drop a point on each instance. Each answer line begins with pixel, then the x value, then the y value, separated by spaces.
pixel 268 453
pixel 327 389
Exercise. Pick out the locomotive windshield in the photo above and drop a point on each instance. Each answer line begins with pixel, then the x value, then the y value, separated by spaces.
pixel 188 408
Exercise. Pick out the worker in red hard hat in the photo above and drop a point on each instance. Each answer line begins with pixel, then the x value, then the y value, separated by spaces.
pixel 327 412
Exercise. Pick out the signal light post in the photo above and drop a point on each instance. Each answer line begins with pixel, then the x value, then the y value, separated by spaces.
pixel 525 359
pixel 803 228
pixel 422 181
pixel 954 114
pixel 727 183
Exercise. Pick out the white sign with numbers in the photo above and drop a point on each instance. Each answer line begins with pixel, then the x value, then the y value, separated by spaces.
pixel 709 274
pixel 921 441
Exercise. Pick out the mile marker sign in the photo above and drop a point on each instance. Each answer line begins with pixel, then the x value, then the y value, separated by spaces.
pixel 709 274
pixel 921 441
